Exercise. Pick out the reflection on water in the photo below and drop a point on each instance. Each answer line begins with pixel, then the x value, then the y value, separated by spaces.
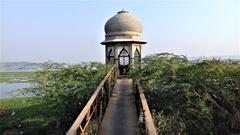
pixel 8 90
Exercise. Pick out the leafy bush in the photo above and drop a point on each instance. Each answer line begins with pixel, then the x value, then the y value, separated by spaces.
pixel 191 97
pixel 68 87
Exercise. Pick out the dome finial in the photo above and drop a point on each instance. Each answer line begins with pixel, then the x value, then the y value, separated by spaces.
pixel 123 11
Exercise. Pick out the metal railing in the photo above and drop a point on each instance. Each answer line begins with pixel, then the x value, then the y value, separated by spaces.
pixel 89 119
pixel 145 120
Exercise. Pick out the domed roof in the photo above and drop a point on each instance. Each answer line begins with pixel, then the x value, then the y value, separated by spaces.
pixel 123 27
pixel 123 21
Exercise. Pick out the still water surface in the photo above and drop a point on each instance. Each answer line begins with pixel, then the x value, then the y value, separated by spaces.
pixel 9 90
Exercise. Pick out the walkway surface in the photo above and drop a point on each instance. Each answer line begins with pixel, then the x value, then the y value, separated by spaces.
pixel 120 117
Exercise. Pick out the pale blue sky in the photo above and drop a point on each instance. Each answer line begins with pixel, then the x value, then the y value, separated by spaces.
pixel 71 31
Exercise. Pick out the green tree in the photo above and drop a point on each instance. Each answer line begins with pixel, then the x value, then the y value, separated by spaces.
pixel 191 97
pixel 69 87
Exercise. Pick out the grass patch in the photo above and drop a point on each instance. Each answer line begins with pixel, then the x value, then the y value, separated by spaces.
pixel 30 115
pixel 15 77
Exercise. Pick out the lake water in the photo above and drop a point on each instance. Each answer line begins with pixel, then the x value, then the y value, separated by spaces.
pixel 9 90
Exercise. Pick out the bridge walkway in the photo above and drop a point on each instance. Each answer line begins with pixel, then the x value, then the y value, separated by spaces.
pixel 120 117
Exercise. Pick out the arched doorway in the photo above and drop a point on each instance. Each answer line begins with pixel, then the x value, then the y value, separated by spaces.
pixel 137 57
pixel 124 61
pixel 111 56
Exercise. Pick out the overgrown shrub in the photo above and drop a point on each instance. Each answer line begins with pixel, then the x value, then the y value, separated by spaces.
pixel 191 97
pixel 69 87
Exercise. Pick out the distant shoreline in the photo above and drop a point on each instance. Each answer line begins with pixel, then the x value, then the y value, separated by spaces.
pixel 18 70
pixel 34 66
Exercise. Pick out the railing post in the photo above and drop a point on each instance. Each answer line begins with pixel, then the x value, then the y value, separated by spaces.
pixel 86 128
pixel 101 103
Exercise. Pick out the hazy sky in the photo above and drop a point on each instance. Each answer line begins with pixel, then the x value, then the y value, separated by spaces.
pixel 71 31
